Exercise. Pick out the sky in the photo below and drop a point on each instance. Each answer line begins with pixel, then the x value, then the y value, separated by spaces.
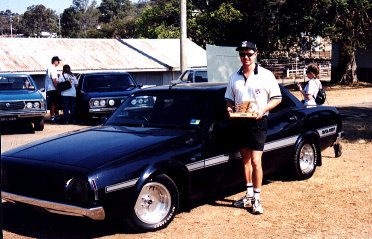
pixel 20 6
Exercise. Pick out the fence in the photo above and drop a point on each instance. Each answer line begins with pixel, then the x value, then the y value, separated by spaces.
pixel 324 71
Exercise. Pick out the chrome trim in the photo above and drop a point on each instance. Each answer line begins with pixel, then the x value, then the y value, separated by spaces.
pixel 102 110
pixel 23 114
pixel 96 213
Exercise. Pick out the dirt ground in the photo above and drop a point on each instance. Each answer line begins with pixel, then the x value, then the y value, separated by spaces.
pixel 335 203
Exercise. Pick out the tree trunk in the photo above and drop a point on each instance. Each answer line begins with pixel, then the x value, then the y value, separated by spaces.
pixel 350 73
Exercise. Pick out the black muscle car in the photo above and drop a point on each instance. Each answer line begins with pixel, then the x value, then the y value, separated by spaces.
pixel 163 148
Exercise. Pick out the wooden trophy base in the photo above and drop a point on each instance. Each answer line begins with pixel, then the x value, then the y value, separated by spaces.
pixel 243 115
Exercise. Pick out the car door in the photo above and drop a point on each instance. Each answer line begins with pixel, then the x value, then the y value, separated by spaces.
pixel 284 126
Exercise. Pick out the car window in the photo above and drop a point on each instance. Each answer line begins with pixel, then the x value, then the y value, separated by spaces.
pixel 107 82
pixel 171 110
pixel 15 83
pixel 201 76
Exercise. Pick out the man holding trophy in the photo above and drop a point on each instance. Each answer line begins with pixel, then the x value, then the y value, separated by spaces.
pixel 251 93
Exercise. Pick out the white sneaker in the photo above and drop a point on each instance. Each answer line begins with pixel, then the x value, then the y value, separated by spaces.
pixel 257 207
pixel 243 202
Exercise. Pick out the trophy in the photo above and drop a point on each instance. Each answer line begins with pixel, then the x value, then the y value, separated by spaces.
pixel 245 109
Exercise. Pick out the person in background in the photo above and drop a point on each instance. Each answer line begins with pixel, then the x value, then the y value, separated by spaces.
pixel 312 87
pixel 251 83
pixel 51 87
pixel 69 95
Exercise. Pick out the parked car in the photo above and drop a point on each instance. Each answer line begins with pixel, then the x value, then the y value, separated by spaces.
pixel 21 100
pixel 194 75
pixel 162 149
pixel 100 93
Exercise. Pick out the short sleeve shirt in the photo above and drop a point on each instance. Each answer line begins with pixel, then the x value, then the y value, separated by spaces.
pixel 260 87
pixel 73 80
pixel 50 74
pixel 312 88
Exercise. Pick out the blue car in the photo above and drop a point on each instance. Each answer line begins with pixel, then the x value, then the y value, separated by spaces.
pixel 21 100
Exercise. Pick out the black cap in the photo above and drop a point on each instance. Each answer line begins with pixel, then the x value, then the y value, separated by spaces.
pixel 55 58
pixel 245 45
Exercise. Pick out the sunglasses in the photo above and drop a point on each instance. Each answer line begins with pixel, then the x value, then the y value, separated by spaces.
pixel 242 54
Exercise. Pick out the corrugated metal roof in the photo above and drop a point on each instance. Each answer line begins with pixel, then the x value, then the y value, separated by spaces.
pixel 34 54
pixel 168 51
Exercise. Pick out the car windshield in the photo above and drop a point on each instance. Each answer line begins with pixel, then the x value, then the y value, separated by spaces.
pixel 108 83
pixel 162 110
pixel 15 83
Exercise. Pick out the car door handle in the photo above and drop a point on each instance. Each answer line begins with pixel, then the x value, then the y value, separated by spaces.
pixel 293 118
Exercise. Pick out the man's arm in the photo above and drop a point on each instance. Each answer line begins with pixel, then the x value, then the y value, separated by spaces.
pixel 270 105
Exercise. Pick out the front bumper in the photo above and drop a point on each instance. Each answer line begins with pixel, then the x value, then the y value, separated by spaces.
pixel 23 114
pixel 96 213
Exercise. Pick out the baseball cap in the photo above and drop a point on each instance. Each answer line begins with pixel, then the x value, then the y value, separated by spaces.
pixel 246 45
pixel 55 58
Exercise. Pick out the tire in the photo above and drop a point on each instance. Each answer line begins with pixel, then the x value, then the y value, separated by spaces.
pixel 305 160
pixel 39 125
pixel 156 204
pixel 338 150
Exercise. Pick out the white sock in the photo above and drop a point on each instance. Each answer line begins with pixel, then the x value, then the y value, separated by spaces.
pixel 257 192
pixel 250 190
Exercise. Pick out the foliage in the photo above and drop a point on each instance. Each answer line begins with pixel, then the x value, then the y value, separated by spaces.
pixel 159 20
pixel 39 19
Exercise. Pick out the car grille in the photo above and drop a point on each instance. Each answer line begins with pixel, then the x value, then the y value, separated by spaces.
pixel 17 105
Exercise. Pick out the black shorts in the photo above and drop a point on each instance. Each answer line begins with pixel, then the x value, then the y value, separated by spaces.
pixel 250 133
pixel 52 95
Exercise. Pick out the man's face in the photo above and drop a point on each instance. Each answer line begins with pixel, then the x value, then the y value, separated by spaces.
pixel 247 57
pixel 56 63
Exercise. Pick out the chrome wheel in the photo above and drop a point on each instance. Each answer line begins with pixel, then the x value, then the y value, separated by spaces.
pixel 153 203
pixel 307 159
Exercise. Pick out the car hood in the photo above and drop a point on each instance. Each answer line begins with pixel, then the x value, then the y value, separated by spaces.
pixel 93 147
pixel 104 93
pixel 19 95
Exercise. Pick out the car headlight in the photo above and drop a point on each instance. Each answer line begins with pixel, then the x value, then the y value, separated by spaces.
pixel 37 105
pixel 102 103
pixel 28 105
pixel 111 102
pixel 96 103
pixel 77 190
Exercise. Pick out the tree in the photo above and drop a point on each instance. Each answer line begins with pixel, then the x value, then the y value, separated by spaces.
pixel 350 25
pixel 114 9
pixel 346 22
pixel 159 19
pixel 39 19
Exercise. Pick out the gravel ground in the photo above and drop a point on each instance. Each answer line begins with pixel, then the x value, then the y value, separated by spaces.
pixel 335 203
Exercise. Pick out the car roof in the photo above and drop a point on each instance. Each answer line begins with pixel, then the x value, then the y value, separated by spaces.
pixel 205 86
pixel 106 73
pixel 14 74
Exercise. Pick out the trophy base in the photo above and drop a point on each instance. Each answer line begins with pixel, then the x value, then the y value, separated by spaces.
pixel 243 115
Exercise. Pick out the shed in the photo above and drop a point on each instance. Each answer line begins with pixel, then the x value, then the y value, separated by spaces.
pixel 150 61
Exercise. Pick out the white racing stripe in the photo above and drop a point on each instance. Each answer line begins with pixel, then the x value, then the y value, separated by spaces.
pixel 210 162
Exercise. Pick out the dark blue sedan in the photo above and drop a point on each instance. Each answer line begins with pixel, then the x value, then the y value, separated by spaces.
pixel 21 101
pixel 162 149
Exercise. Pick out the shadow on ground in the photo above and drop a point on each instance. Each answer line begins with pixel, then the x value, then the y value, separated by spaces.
pixel 357 122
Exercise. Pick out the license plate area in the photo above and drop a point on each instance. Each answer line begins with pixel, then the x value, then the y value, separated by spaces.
pixel 8 118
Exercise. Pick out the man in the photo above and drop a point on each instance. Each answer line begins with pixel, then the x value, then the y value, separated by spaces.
pixel 252 83
pixel 51 87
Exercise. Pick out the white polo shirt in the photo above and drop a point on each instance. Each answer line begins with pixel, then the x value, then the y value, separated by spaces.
pixel 260 87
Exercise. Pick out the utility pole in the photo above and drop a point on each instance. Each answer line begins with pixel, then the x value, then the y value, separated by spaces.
pixel 183 36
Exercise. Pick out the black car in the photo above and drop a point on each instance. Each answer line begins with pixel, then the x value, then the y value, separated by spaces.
pixel 162 149
pixel 100 93
pixel 21 100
